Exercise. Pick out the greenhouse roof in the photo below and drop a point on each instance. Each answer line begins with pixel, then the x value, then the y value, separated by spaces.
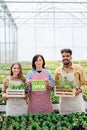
pixel 46 11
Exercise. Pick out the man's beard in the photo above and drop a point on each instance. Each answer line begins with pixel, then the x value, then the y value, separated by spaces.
pixel 66 62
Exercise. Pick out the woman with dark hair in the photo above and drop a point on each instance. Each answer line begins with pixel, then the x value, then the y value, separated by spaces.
pixel 40 101
pixel 15 105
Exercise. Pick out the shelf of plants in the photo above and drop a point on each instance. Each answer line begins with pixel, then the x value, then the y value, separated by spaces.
pixel 53 121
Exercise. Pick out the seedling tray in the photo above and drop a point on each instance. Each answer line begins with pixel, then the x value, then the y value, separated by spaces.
pixel 15 93
pixel 64 92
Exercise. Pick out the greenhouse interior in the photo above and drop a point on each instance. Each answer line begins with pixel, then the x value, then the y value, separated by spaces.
pixel 44 28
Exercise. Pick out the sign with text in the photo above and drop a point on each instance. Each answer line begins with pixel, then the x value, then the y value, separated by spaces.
pixel 38 85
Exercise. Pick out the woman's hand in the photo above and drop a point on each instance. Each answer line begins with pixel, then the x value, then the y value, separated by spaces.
pixel 28 83
pixel 49 86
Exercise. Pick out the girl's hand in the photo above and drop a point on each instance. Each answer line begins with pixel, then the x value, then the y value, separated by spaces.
pixel 4 96
pixel 25 96
pixel 28 83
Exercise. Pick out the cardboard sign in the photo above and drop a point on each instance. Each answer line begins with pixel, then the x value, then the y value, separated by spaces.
pixel 38 85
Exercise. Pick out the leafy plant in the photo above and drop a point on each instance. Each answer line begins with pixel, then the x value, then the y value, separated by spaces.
pixel 52 121
pixel 84 93
pixel 55 99
pixel 21 86
pixel 64 83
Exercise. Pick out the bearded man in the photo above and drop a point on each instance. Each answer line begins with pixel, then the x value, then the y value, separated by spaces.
pixel 74 73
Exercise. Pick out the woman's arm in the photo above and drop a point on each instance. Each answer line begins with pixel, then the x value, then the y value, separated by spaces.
pixel 5 86
pixel 50 81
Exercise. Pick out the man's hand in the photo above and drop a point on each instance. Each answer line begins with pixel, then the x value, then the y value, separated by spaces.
pixel 78 90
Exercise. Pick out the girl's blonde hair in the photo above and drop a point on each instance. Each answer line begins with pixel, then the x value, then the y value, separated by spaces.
pixel 20 75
